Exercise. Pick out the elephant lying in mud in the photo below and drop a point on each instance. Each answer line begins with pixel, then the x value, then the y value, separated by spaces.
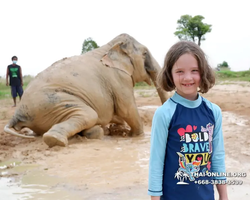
pixel 86 92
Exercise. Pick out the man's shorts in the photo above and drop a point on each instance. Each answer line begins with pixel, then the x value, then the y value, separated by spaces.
pixel 16 90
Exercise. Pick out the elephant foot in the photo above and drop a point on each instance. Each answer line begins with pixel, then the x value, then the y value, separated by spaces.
pixel 95 132
pixel 117 129
pixel 55 139
pixel 135 133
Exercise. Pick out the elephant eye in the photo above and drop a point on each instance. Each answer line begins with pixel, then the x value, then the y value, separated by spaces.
pixel 145 53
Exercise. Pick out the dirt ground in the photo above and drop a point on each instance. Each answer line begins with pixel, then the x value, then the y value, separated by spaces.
pixel 114 167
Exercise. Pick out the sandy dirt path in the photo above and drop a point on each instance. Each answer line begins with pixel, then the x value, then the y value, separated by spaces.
pixel 115 167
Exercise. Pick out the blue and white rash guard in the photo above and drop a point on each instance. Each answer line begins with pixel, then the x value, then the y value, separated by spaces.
pixel 186 147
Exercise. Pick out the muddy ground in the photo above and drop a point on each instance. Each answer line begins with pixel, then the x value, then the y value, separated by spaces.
pixel 114 167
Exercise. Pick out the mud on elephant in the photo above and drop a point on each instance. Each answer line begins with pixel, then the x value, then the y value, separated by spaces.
pixel 87 92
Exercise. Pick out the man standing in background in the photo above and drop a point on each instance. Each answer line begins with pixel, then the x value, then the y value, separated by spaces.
pixel 14 71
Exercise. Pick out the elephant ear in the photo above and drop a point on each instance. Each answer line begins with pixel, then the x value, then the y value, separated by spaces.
pixel 118 58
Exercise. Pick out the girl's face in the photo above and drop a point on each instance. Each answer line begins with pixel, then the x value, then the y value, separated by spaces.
pixel 186 76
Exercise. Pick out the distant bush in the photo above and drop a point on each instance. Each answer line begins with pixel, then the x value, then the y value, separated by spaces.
pixel 223 66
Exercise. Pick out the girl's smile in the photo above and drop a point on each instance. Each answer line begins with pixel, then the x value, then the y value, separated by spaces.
pixel 186 76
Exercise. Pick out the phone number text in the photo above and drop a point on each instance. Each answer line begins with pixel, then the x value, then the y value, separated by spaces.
pixel 219 182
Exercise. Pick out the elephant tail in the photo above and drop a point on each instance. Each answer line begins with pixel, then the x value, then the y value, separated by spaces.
pixel 11 124
pixel 12 132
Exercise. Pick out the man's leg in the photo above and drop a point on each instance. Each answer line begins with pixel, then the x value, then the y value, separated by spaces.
pixel 14 94
pixel 20 91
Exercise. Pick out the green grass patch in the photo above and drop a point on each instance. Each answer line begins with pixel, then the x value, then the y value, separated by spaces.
pixel 233 76
pixel 5 91
pixel 143 85
pixel 5 94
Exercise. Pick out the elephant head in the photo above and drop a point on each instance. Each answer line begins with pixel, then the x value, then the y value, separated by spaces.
pixel 135 59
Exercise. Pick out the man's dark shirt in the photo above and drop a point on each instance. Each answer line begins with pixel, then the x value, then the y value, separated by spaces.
pixel 14 73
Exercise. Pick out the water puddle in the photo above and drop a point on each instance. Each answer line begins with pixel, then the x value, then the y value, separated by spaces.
pixel 26 182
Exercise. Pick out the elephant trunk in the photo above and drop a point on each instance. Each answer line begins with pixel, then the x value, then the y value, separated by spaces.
pixel 162 94
pixel 153 69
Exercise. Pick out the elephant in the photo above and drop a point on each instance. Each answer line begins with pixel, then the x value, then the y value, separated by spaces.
pixel 86 92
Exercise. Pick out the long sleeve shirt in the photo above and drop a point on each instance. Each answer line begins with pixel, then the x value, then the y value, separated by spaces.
pixel 186 144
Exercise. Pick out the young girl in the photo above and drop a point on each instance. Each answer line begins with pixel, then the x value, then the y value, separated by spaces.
pixel 187 156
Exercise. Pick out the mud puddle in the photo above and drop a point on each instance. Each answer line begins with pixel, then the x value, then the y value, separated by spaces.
pixel 112 168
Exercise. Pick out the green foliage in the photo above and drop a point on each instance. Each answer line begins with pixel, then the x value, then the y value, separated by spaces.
pixel 192 28
pixel 88 45
pixel 231 75
pixel 224 64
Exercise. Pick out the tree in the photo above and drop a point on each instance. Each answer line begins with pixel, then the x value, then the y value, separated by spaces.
pixel 88 45
pixel 192 28
pixel 224 64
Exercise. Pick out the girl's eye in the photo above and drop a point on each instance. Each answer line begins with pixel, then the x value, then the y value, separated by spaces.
pixel 195 70
pixel 179 71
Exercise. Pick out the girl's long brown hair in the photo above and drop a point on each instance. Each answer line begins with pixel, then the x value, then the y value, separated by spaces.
pixel 165 79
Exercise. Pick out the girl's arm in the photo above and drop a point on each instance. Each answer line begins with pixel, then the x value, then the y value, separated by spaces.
pixel 159 134
pixel 222 190
pixel 218 155
pixel 218 159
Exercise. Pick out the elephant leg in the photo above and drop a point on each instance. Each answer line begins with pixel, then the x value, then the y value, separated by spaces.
pixel 133 119
pixel 117 120
pixel 59 133
pixel 98 132
pixel 95 132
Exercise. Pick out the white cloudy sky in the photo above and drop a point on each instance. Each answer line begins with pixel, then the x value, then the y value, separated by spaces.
pixel 41 32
